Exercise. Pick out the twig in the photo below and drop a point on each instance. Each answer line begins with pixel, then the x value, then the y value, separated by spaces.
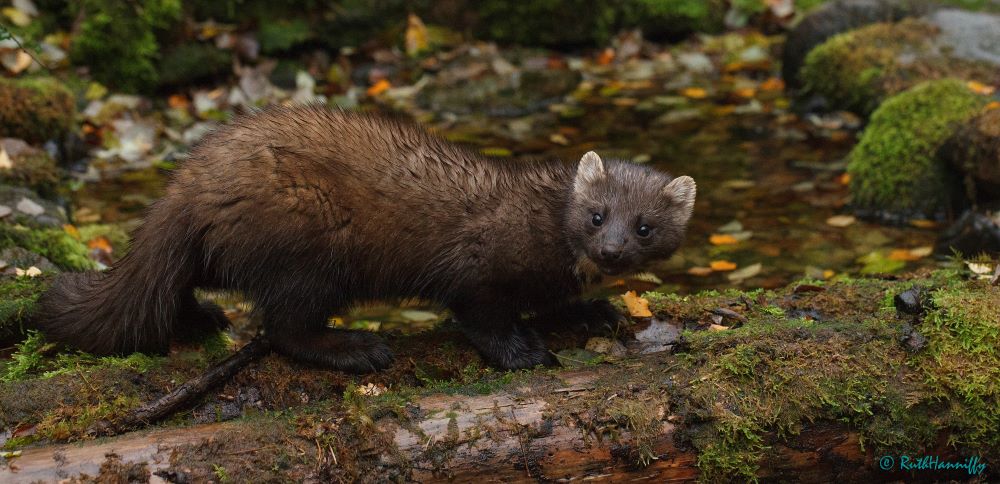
pixel 188 392
pixel 996 276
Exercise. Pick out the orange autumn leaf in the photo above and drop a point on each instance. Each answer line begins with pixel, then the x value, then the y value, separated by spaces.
pixel 379 87
pixel 746 92
pixel 844 179
pixel 100 243
pixel 980 88
pixel 993 105
pixel 722 265
pixel 695 93
pixel 772 84
pixel 722 239
pixel 901 255
pixel 607 55
pixel 638 307
pixel 178 101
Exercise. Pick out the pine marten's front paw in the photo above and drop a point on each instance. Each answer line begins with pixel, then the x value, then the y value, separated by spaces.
pixel 514 350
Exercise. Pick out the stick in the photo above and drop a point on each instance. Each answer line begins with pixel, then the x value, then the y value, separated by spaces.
pixel 188 392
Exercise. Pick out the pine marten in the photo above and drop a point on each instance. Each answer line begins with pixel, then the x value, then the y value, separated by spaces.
pixel 306 210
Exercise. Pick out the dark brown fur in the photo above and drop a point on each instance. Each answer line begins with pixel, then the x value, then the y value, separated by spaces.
pixel 307 211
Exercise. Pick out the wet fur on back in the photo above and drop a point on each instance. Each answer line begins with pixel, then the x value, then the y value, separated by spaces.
pixel 307 211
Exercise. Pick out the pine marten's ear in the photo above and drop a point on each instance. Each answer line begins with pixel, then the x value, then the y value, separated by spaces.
pixel 590 171
pixel 681 191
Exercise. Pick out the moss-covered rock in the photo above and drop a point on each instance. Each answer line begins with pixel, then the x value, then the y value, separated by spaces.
pixel 54 244
pixel 858 69
pixel 29 167
pixel 117 40
pixel 974 150
pixel 17 299
pixel 35 109
pixel 895 171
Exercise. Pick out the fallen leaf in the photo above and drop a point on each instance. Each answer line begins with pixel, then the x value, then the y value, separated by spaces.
pixel 828 274
pixel 746 92
pixel 416 36
pixel 638 307
pixel 772 84
pixel 700 271
pixel 979 268
pixel 15 62
pixel 745 273
pixel 5 163
pixel 647 277
pixel 901 255
pixel 694 93
pixel 17 17
pixel 844 179
pixel 841 220
pixel 921 252
pixel 722 239
pixel 178 101
pixel 71 230
pixel 379 87
pixel 559 139
pixel 606 56
pixel 100 243
pixel 717 327
pixel 980 88
pixel 29 272
pixel 722 265
pixel 993 105
pixel 370 390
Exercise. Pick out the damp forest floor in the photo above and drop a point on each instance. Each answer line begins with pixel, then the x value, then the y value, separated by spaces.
pixel 777 316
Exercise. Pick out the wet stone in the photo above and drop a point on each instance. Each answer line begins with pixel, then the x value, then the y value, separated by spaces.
pixel 909 301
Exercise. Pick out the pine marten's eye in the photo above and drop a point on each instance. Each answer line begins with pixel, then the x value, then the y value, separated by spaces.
pixel 643 231
pixel 597 219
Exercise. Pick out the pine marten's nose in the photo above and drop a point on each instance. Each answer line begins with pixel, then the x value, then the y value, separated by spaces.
pixel 611 252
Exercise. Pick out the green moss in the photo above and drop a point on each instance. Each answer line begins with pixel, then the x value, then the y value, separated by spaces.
pixel 54 244
pixel 894 167
pixel 962 361
pixel 857 70
pixel 35 109
pixel 117 40
pixel 17 299
pixel 27 358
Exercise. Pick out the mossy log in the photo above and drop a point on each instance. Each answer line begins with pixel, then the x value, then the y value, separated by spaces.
pixel 814 382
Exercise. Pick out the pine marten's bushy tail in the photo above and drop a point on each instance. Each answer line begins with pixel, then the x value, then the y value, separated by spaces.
pixel 134 305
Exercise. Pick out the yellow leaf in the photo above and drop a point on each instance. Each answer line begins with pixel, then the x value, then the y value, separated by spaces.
pixel 379 87
pixel 722 239
pixel 717 327
pixel 416 36
pixel 722 265
pixel 828 274
pixel 845 179
pixel 695 93
pixel 493 151
pixel 980 88
pixel 638 307
pixel 72 231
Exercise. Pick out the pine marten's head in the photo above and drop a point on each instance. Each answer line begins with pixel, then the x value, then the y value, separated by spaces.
pixel 623 216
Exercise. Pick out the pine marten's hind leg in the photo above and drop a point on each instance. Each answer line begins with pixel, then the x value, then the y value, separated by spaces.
pixel 198 319
pixel 306 337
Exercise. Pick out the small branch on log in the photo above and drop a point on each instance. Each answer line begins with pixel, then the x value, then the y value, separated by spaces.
pixel 184 395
